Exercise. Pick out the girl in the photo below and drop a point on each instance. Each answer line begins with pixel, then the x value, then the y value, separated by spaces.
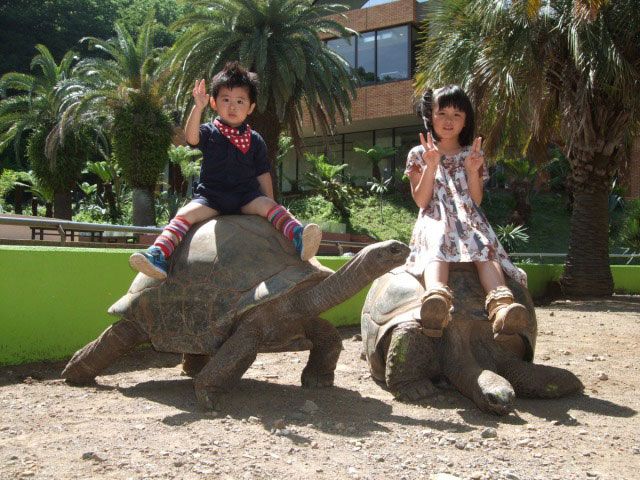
pixel 447 172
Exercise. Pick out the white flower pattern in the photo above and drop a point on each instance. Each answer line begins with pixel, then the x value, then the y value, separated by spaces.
pixel 452 228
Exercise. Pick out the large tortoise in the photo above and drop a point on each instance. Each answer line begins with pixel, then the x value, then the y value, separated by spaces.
pixel 235 288
pixel 489 371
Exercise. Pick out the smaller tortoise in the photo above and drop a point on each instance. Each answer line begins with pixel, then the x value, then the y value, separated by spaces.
pixel 235 288
pixel 490 372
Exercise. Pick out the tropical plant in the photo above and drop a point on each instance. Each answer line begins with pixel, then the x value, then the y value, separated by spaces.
pixel 285 144
pixel 41 193
pixel 110 189
pixel 375 155
pixel 32 114
pixel 280 41
pixel 189 161
pixel 512 237
pixel 325 179
pixel 630 229
pixel 379 188
pixel 562 71
pixel 521 175
pixel 121 91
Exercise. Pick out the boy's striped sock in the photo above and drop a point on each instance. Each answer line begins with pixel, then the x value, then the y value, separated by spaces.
pixel 172 235
pixel 283 221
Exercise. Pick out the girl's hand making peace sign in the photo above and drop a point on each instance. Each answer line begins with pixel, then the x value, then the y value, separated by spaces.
pixel 475 160
pixel 431 155
pixel 200 95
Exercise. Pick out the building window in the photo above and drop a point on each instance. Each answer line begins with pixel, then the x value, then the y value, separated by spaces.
pixel 366 66
pixel 377 56
pixel 392 54
pixel 345 47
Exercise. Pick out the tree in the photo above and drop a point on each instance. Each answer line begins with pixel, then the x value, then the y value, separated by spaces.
pixel 557 71
pixel 60 24
pixel 32 113
pixel 122 94
pixel 279 40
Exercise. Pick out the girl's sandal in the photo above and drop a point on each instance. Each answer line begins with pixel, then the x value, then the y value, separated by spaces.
pixel 435 310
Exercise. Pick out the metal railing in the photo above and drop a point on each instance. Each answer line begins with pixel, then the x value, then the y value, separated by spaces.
pixel 66 228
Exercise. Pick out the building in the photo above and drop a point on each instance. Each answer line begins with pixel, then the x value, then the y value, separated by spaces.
pixel 383 114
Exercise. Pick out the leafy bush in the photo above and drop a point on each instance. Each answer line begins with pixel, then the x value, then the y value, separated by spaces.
pixel 630 230
pixel 511 236
pixel 324 178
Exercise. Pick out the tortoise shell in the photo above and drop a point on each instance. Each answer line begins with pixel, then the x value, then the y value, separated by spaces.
pixel 222 269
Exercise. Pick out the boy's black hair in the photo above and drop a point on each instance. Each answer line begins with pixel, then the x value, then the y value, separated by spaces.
pixel 448 96
pixel 234 75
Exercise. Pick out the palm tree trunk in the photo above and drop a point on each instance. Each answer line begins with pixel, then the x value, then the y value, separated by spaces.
pixel 110 198
pixel 268 125
pixel 586 270
pixel 18 196
pixel 144 213
pixel 62 205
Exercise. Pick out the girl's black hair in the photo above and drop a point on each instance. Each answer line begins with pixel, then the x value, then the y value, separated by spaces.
pixel 448 96
pixel 234 75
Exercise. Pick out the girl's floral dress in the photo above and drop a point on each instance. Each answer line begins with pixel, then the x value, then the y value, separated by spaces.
pixel 452 228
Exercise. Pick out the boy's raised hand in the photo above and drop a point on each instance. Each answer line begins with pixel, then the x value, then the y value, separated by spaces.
pixel 475 160
pixel 431 155
pixel 200 95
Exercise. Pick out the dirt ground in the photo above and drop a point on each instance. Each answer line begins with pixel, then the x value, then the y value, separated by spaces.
pixel 141 420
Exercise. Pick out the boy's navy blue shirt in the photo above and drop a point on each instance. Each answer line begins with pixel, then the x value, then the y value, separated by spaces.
pixel 224 167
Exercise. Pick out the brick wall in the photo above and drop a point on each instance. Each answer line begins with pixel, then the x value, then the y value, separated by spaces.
pixel 379 101
pixel 400 12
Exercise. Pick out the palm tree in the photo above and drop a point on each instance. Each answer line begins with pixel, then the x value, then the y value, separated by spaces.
pixel 121 92
pixel 556 71
pixel 31 114
pixel 279 40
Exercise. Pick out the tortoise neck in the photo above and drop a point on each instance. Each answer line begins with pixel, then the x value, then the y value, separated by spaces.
pixel 335 289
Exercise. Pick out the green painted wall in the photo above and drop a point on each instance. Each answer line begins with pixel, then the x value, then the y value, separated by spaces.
pixel 53 300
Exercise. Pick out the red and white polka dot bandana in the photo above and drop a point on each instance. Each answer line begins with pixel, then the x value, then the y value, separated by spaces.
pixel 241 140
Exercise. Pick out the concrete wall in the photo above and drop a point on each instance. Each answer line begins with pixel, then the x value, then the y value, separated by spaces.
pixel 53 300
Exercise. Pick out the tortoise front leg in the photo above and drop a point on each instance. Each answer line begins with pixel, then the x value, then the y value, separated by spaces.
pixel 536 381
pixel 324 354
pixel 411 363
pixel 115 341
pixel 225 369
pixel 488 390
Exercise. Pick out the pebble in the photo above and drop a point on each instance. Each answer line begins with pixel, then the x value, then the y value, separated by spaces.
pixel 511 476
pixel 461 444
pixel 603 376
pixel 92 456
pixel 309 407
pixel 443 476
pixel 489 433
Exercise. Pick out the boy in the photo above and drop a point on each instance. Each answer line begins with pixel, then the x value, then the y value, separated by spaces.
pixel 235 175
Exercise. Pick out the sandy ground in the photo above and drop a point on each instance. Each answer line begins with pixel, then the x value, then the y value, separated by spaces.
pixel 141 420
